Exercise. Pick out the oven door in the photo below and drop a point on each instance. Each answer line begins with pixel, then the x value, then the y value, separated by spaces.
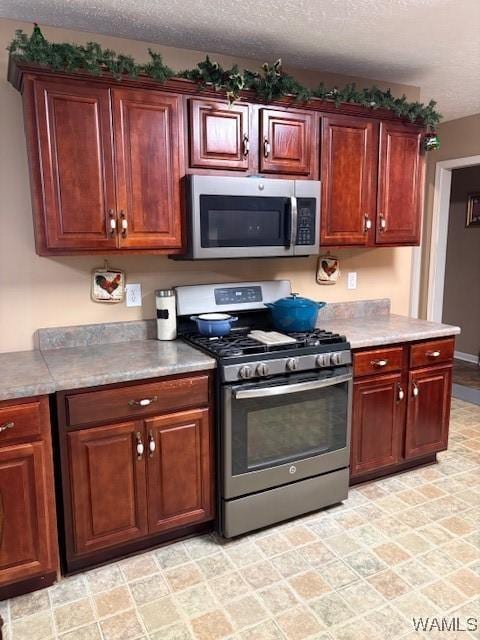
pixel 282 430
pixel 242 217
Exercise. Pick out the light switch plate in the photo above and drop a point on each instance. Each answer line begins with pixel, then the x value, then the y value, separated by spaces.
pixel 352 280
pixel 133 295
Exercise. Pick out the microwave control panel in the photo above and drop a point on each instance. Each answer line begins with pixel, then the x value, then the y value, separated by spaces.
pixel 306 221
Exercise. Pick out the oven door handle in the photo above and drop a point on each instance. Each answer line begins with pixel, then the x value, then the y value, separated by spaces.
pixel 284 389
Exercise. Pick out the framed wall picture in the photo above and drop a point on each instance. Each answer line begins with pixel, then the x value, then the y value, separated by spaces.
pixel 473 209
pixel 108 285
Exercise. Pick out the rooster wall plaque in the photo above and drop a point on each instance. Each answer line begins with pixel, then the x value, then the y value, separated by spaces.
pixel 108 285
pixel 328 269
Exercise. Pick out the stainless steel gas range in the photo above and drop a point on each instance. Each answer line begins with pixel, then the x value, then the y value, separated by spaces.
pixel 283 410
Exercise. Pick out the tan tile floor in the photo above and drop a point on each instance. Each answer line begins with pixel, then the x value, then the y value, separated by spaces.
pixel 399 547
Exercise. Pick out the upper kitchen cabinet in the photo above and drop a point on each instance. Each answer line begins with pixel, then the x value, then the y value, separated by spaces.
pixel 400 184
pixel 372 182
pixel 349 179
pixel 147 168
pixel 105 167
pixel 287 142
pixel 219 135
pixel 72 168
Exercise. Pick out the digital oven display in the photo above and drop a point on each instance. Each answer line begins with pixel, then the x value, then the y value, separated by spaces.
pixel 237 295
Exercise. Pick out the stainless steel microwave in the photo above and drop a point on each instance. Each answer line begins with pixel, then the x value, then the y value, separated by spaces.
pixel 251 217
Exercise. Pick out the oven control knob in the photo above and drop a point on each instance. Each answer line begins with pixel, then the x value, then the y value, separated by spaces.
pixel 336 358
pixel 262 369
pixel 245 372
pixel 292 364
pixel 323 360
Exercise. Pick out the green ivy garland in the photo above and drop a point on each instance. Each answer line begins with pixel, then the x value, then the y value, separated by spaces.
pixel 268 84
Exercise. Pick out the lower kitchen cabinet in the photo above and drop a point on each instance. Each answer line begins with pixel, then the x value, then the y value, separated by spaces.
pixel 107 485
pixel 378 418
pixel 179 471
pixel 28 534
pixel 428 410
pixel 145 476
pixel 401 417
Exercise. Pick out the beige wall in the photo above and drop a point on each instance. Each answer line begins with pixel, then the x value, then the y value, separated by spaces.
pixel 458 139
pixel 461 298
pixel 39 292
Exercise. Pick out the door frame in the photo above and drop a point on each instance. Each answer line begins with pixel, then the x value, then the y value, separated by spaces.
pixel 438 241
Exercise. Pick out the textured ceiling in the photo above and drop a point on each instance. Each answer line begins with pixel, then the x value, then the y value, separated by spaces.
pixel 433 44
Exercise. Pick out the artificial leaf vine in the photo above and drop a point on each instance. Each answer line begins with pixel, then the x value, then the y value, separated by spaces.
pixel 270 83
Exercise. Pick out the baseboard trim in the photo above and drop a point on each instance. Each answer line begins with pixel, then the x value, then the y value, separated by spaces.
pixel 466 357
pixel 466 393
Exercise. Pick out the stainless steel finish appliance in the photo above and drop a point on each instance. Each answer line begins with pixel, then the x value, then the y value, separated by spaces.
pixel 284 408
pixel 251 217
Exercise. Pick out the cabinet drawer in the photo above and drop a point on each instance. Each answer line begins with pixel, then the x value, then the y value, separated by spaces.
pixel 137 400
pixel 431 352
pixel 367 363
pixel 21 421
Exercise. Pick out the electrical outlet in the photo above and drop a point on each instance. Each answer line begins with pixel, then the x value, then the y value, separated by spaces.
pixel 352 280
pixel 133 295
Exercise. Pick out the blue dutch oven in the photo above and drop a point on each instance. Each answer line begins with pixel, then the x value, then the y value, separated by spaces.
pixel 214 324
pixel 294 313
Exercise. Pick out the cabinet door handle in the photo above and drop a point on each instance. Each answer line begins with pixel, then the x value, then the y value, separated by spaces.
pixel 123 223
pixel 433 354
pixel 112 222
pixel 382 222
pixel 367 224
pixel 6 425
pixel 415 390
pixel 143 402
pixel 139 445
pixel 400 394
pixel 246 145
pixel 266 148
pixel 379 363
pixel 151 444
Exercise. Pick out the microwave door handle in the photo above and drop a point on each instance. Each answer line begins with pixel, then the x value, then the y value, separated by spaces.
pixel 293 220
pixel 284 389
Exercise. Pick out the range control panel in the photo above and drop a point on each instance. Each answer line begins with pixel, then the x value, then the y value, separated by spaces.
pixel 306 221
pixel 236 295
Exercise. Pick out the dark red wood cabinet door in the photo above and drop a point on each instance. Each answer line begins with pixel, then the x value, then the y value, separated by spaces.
pixel 400 184
pixel 219 135
pixel 25 522
pixel 147 161
pixel 428 415
pixel 180 469
pixel 76 156
pixel 349 179
pixel 377 424
pixel 107 484
pixel 286 142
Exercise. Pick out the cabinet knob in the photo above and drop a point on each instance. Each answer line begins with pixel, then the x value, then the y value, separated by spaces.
pixel 433 354
pixel 382 222
pixel 379 363
pixel 415 390
pixel 151 444
pixel 246 145
pixel 266 148
pixel 6 426
pixel 401 394
pixel 112 222
pixel 367 224
pixel 139 445
pixel 124 223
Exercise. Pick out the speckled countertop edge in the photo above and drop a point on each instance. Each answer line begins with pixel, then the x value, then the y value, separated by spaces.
pixel 34 373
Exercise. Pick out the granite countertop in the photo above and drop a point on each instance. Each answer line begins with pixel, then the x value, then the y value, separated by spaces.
pixel 371 331
pixel 24 374
pixel 93 355
pixel 90 366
